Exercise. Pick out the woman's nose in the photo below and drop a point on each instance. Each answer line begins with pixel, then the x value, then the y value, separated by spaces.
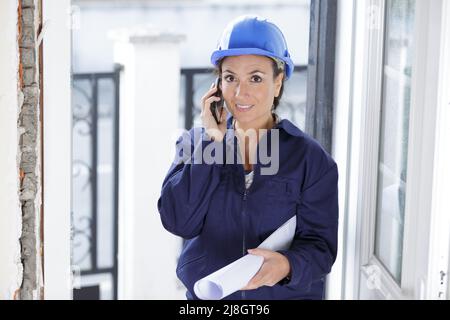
pixel 241 90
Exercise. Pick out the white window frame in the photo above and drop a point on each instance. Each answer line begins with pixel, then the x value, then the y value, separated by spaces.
pixel 436 287
pixel 348 118
pixel 418 245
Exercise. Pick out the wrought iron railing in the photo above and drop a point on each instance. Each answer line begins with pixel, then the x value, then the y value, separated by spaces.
pixel 95 154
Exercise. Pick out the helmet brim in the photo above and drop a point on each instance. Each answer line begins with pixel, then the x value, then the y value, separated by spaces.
pixel 220 54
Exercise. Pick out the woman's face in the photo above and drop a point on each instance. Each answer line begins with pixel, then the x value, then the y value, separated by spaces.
pixel 248 87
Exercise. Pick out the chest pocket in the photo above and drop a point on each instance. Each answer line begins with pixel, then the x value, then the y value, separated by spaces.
pixel 281 197
pixel 282 191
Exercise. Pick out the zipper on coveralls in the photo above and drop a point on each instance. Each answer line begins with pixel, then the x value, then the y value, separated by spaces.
pixel 244 249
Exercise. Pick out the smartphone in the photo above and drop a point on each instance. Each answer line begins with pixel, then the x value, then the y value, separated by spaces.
pixel 217 106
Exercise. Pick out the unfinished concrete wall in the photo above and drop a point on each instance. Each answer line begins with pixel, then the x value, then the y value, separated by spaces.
pixel 10 213
pixel 20 254
pixel 30 149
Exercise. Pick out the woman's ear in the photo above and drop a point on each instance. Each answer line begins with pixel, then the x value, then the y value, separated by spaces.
pixel 278 84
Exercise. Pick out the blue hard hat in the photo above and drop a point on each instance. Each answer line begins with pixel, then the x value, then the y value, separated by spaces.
pixel 252 34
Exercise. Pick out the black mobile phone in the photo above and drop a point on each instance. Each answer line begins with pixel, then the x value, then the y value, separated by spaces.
pixel 217 106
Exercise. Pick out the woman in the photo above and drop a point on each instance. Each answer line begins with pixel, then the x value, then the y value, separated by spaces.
pixel 224 210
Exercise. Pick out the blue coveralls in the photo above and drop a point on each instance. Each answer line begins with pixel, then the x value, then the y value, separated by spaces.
pixel 209 206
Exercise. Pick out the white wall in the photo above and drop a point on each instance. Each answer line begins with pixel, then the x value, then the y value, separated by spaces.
pixel 148 121
pixel 57 149
pixel 10 213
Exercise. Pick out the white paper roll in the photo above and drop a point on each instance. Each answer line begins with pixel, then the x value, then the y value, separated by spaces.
pixel 236 275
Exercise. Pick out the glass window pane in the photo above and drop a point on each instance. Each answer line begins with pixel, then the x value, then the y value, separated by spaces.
pixel 395 108
pixel 82 174
pixel 293 102
pixel 202 83
pixel 106 184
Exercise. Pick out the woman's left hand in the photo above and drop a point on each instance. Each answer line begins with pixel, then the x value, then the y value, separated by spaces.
pixel 275 268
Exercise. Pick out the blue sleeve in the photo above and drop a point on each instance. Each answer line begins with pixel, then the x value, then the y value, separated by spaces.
pixel 314 248
pixel 187 188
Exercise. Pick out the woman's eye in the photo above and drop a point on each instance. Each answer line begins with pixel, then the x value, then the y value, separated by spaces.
pixel 256 79
pixel 229 78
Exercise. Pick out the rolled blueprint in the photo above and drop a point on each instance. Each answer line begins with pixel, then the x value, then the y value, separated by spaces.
pixel 236 275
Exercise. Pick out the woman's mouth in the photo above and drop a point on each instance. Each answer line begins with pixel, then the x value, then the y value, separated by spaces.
pixel 243 108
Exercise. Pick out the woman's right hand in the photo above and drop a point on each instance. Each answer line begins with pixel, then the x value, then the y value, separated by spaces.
pixel 214 130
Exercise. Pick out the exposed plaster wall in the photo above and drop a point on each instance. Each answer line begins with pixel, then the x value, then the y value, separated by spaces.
pixel 10 213
pixel 29 150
